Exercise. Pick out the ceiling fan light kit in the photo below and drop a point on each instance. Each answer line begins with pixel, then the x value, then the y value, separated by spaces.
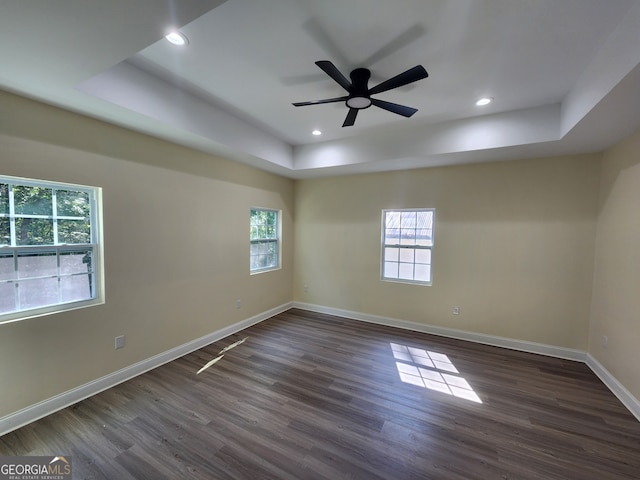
pixel 359 93
pixel 358 102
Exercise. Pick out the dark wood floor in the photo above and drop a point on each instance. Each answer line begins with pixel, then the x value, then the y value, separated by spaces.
pixel 312 396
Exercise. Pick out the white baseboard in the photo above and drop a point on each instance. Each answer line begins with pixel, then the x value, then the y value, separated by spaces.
pixel 34 412
pixel 627 399
pixel 520 345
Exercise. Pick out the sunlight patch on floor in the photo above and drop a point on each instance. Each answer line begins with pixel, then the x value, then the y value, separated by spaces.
pixel 431 370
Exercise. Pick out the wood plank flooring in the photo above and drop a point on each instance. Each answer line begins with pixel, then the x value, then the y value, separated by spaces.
pixel 312 396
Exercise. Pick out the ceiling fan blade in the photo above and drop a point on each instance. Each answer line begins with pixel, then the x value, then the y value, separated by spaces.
pixel 412 75
pixel 394 107
pixel 325 40
pixel 331 70
pixel 318 102
pixel 405 38
pixel 351 117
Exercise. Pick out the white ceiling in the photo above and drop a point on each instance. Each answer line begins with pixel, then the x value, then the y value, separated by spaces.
pixel 565 75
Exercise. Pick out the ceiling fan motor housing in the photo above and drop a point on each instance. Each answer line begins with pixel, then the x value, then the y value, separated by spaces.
pixel 359 92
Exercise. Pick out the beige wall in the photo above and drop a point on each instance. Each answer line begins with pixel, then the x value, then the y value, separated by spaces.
pixel 176 226
pixel 514 246
pixel 615 311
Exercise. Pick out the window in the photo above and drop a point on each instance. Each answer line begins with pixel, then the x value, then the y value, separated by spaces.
pixel 48 247
pixel 264 234
pixel 407 242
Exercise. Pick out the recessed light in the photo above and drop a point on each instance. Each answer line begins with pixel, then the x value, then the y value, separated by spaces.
pixel 177 38
pixel 484 101
pixel 316 132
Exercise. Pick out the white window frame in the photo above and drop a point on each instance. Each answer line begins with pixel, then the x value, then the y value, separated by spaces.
pixel 390 245
pixel 58 249
pixel 267 240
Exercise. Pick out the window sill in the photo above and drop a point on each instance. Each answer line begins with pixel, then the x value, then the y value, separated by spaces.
pixel 50 310
pixel 409 282
pixel 264 270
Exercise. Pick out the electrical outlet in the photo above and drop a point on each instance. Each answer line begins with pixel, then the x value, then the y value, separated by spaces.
pixel 306 287
pixel 119 342
pixel 238 303
pixel 456 310
pixel 605 341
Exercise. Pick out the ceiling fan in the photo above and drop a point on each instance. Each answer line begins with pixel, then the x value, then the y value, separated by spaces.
pixel 359 96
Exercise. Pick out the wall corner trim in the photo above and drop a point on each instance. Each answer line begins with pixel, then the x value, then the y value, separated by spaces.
pixel 612 383
pixel 51 405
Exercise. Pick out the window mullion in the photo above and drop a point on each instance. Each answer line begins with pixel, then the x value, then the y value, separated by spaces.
pixel 12 217
pixel 16 290
pixel 58 281
pixel 54 211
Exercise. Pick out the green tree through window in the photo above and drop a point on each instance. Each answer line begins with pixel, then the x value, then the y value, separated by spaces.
pixel 264 232
pixel 48 243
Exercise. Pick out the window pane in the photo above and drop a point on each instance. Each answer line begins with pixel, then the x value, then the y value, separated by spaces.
pixel 34 231
pixel 263 255
pixel 424 225
pixel 72 204
pixel 7 270
pixel 4 198
pixel 7 297
pixel 390 270
pixel 406 271
pixel 424 237
pixel 391 254
pixel 37 265
pixel 74 231
pixel 5 231
pixel 407 237
pixel 408 220
pixel 38 292
pixel 423 273
pixel 32 200
pixel 263 247
pixel 263 261
pixel 423 256
pixel 75 288
pixel 424 219
pixel 392 220
pixel 270 218
pixel 75 262
pixel 407 255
